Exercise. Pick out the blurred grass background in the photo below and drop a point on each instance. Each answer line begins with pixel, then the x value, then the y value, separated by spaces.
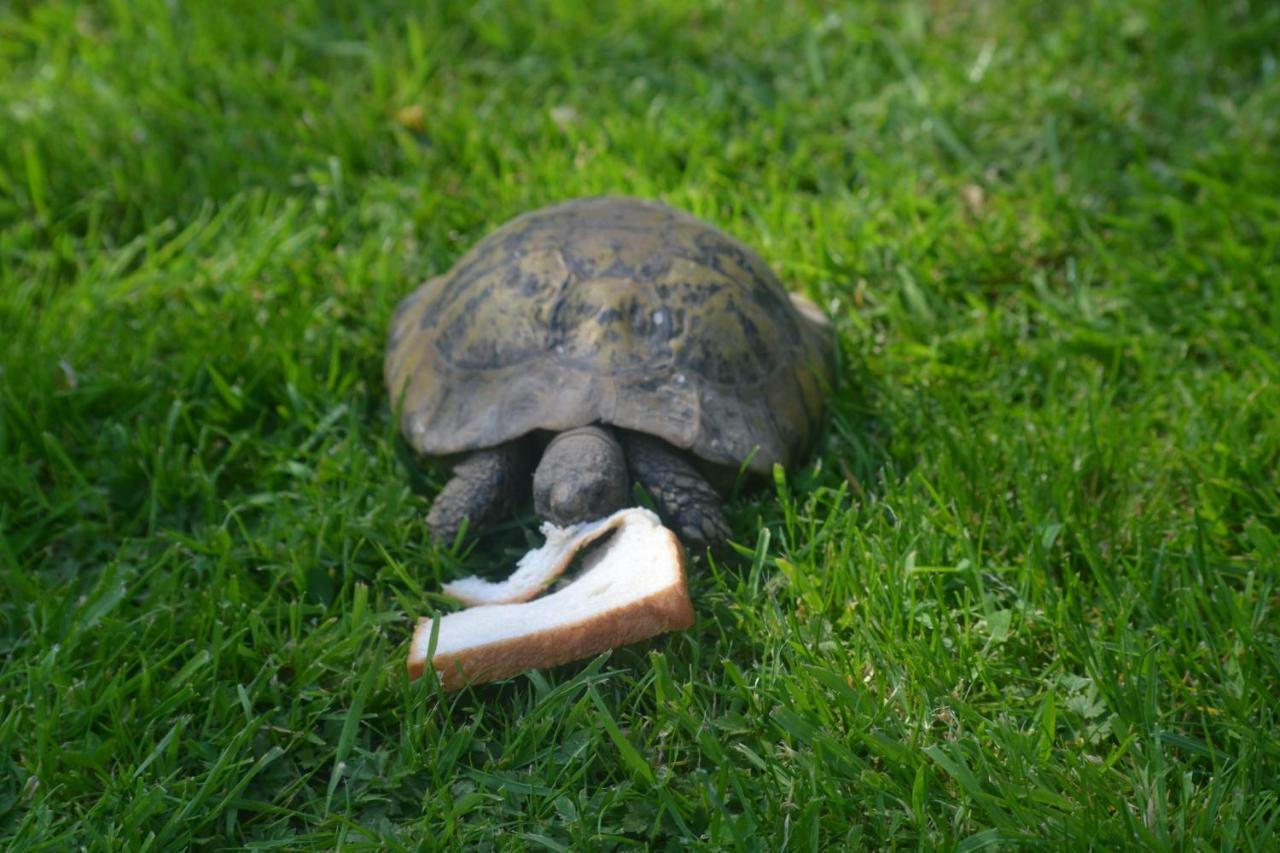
pixel 1024 594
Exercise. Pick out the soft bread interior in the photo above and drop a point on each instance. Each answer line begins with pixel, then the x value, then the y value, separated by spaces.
pixel 537 569
pixel 631 588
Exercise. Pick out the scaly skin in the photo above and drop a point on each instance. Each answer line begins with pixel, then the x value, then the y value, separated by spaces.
pixel 483 488
pixel 685 500
pixel 582 477
pixel 584 474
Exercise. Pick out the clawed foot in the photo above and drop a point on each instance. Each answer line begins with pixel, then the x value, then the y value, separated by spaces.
pixel 483 488
pixel 686 501
pixel 701 526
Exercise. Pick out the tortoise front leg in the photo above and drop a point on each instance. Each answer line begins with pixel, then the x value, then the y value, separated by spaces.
pixel 685 499
pixel 483 488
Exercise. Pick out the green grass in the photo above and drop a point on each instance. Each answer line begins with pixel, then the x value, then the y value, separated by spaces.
pixel 1024 594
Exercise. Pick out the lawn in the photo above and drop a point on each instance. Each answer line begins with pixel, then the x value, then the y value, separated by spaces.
pixel 1023 594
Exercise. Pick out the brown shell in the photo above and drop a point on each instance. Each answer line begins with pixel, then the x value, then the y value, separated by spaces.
pixel 616 311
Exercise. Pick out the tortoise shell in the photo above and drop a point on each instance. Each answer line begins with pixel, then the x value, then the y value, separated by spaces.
pixel 615 311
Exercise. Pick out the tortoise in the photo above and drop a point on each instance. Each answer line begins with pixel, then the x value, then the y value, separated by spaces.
pixel 612 341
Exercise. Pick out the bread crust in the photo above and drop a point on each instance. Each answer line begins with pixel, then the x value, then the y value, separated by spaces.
pixel 669 609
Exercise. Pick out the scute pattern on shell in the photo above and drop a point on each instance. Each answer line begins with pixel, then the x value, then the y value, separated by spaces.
pixel 616 311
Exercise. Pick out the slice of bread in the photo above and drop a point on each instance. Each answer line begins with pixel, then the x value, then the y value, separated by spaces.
pixel 537 569
pixel 630 588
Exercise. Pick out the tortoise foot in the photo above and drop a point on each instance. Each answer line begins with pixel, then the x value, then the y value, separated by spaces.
pixel 483 488
pixel 686 501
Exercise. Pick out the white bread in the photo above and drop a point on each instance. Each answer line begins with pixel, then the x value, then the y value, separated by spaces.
pixel 631 588
pixel 536 570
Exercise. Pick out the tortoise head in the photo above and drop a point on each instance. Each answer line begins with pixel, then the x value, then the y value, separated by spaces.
pixel 582 477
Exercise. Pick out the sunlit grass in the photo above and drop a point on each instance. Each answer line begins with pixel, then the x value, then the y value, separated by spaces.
pixel 1025 591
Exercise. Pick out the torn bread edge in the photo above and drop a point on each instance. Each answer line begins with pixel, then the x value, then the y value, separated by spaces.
pixel 538 569
pixel 630 589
